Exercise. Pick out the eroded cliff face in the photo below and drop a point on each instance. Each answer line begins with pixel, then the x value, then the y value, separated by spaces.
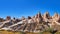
pixel 36 23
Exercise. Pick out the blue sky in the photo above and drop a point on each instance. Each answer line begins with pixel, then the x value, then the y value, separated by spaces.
pixel 18 8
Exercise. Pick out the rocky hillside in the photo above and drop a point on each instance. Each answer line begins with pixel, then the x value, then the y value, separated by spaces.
pixel 35 23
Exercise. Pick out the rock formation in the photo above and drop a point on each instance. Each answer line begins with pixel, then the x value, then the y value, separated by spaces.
pixel 36 23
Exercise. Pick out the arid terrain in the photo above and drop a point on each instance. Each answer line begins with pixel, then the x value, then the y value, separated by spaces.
pixel 37 24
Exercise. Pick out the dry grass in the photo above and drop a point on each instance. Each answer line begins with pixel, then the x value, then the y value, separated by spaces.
pixel 11 32
pixel 8 32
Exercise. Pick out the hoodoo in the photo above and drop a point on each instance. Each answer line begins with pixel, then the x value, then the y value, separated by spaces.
pixel 35 23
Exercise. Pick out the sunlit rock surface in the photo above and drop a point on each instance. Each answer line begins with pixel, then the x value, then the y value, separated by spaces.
pixel 35 23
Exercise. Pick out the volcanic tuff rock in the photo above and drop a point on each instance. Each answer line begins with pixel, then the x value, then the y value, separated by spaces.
pixel 36 23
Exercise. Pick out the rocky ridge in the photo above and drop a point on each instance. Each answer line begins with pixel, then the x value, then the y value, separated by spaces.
pixel 35 23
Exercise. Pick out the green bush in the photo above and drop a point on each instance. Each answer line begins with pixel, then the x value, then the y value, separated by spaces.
pixel 57 33
pixel 40 32
pixel 22 32
pixel 51 30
